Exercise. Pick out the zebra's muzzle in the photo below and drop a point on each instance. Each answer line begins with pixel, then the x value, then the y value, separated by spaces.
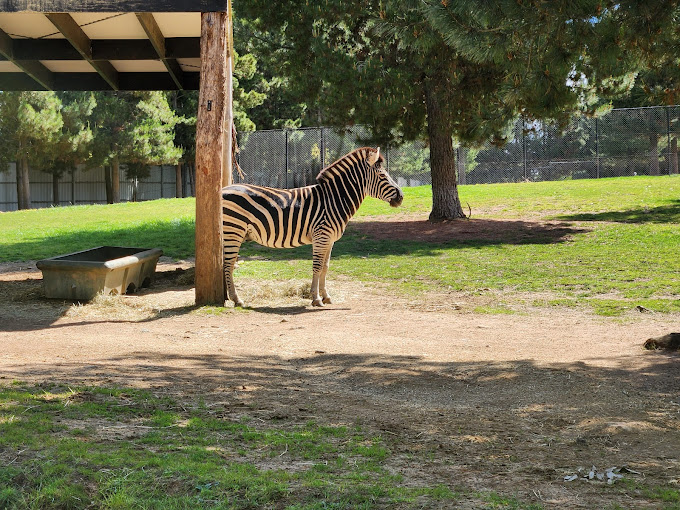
pixel 396 201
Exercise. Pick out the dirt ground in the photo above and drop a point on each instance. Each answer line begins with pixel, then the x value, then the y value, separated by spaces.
pixel 482 402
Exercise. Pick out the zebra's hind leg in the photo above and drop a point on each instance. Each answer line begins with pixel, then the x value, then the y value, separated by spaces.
pixel 229 287
pixel 232 244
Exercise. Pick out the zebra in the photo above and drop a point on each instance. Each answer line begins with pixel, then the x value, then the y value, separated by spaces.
pixel 316 214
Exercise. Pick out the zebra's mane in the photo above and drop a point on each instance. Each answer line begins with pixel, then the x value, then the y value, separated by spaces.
pixel 343 164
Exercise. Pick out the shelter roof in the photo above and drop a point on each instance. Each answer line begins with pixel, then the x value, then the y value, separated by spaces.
pixel 101 45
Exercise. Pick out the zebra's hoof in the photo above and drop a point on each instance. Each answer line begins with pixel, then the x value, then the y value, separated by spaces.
pixel 239 303
pixel 327 300
pixel 317 302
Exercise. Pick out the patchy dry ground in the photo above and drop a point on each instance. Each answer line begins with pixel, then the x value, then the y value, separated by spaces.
pixel 503 403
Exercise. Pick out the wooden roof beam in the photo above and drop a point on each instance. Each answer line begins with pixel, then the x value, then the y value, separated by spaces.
pixel 157 40
pixel 92 81
pixel 38 72
pixel 109 6
pixel 103 49
pixel 82 43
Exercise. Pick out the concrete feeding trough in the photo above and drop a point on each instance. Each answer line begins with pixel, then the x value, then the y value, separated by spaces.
pixel 108 269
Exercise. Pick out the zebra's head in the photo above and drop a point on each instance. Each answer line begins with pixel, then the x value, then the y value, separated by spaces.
pixel 380 185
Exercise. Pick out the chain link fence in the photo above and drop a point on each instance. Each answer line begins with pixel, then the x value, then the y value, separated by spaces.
pixel 625 142
pixel 293 158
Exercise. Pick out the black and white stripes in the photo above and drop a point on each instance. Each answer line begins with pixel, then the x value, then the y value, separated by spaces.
pixel 316 214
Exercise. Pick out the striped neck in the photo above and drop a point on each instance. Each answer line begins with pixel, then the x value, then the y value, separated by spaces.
pixel 347 180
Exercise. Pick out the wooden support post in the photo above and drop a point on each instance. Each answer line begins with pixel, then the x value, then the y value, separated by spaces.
pixel 228 164
pixel 213 154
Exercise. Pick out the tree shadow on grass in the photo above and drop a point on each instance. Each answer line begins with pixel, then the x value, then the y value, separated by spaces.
pixel 176 239
pixel 477 232
pixel 662 214
pixel 376 237
pixel 390 236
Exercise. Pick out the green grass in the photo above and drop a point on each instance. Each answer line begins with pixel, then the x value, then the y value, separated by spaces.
pixel 113 448
pixel 617 247
pixel 41 233
pixel 642 199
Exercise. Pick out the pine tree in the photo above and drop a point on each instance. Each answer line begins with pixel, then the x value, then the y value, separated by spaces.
pixel 74 145
pixel 382 65
pixel 466 68
pixel 562 57
pixel 30 128
pixel 135 129
pixel 277 108
pixel 245 99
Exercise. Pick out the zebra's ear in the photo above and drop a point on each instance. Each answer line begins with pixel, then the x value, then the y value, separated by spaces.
pixel 373 157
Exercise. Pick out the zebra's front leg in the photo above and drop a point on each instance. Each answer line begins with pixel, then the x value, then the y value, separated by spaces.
pixel 321 253
pixel 325 296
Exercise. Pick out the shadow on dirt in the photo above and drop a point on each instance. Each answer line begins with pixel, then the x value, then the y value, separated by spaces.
pixel 25 307
pixel 29 310
pixel 574 405
pixel 512 426
pixel 294 310
pixel 643 389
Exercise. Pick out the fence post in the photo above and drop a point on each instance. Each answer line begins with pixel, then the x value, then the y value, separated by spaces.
pixel 460 164
pixel 668 147
pixel 162 180
pixel 73 187
pixel 524 150
pixel 387 159
pixel 323 150
pixel 597 149
pixel 285 166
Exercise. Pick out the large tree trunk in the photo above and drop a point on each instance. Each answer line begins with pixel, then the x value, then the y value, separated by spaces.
pixel 108 183
pixel 115 180
pixel 654 154
pixel 23 184
pixel 674 155
pixel 55 190
pixel 445 201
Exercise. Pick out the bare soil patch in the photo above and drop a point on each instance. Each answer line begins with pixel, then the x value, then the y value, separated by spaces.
pixel 503 403
pixel 418 228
